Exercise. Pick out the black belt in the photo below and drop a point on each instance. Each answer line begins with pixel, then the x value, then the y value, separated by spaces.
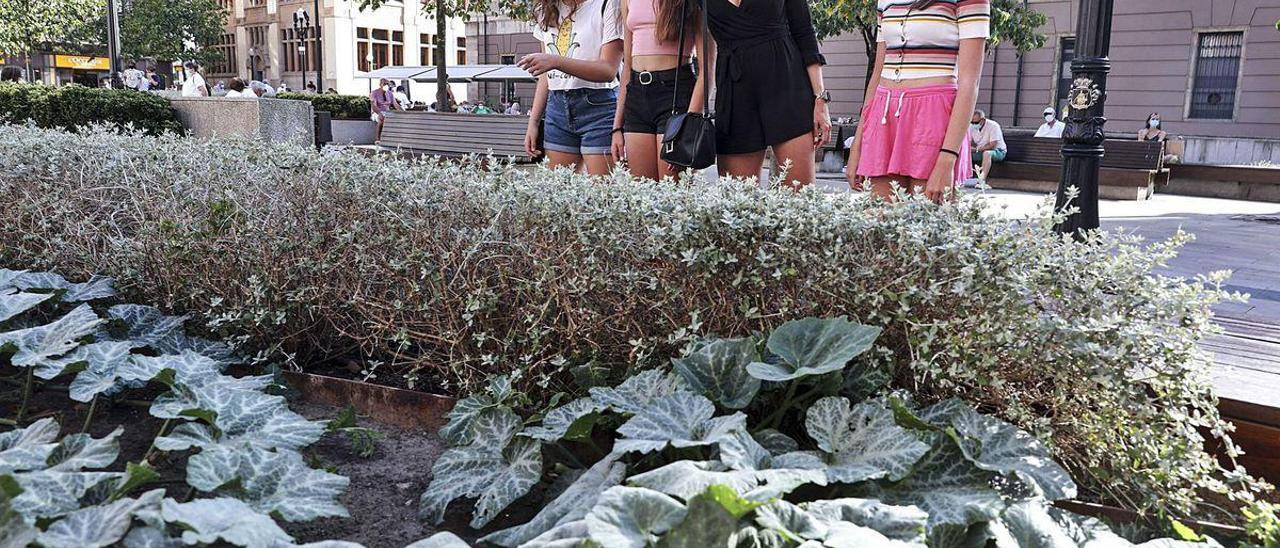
pixel 646 77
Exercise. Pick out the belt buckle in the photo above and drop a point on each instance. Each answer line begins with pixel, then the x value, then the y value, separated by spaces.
pixel 645 74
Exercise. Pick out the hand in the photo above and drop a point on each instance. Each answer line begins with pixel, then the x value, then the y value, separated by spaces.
pixel 851 168
pixel 941 185
pixel 531 141
pixel 538 64
pixel 619 146
pixel 821 124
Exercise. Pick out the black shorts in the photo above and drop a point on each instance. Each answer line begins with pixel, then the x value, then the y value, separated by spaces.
pixel 763 95
pixel 649 99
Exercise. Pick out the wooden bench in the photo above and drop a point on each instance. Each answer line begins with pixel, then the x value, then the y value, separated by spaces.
pixel 1130 168
pixel 455 134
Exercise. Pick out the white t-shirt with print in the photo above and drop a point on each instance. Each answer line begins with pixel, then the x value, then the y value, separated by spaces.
pixel 582 32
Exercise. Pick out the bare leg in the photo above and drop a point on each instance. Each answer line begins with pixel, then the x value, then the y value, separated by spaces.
pixel 598 164
pixel 986 166
pixel 884 187
pixel 377 137
pixel 557 159
pixel 799 151
pixel 745 166
pixel 642 155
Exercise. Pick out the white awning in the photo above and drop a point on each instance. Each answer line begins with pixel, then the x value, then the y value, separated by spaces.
pixel 472 73
pixel 506 73
pixel 397 72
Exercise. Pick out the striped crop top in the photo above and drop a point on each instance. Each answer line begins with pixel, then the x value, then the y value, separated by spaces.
pixel 924 43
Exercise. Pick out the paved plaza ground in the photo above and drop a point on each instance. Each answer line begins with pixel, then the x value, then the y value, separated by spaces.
pixel 1243 237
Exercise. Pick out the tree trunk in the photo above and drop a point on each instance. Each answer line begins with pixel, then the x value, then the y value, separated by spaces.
pixel 869 41
pixel 442 61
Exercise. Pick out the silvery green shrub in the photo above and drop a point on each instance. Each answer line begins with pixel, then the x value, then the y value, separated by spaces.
pixel 722 450
pixel 441 274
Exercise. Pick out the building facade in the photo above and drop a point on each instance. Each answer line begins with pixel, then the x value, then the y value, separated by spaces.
pixel 262 43
pixel 1209 67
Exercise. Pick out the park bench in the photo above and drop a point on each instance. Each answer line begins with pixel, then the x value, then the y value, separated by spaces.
pixel 1130 168
pixel 455 134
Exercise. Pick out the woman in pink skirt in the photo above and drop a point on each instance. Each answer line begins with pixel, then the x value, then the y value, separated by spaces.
pixel 915 120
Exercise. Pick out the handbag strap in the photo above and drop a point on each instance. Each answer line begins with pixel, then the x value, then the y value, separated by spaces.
pixel 702 58
pixel 675 95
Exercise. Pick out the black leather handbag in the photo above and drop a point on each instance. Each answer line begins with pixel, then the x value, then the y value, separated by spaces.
pixel 690 138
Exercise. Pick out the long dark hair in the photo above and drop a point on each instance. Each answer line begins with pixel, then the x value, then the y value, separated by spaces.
pixel 546 13
pixel 668 14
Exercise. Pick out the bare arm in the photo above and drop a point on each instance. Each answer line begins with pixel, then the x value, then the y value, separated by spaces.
pixel 941 184
pixel 626 68
pixel 536 111
pixel 601 69
pixel 855 150
pixel 707 48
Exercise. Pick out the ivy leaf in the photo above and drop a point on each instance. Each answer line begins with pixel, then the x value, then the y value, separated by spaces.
pixel 948 487
pixel 573 421
pixel 28 448
pixel 904 523
pixel 498 469
pixel 13 303
pixel 206 521
pixel 38 346
pixel 97 526
pixel 687 479
pixel 79 451
pixel 813 346
pixel 862 442
pixel 146 325
pixel 706 524
pixel 572 505
pixel 718 370
pixel 638 392
pixel 680 420
pixel 793 522
pixel 48 494
pixel 997 446
pixel 630 517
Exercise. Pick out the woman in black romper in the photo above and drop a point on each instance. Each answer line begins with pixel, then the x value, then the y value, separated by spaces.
pixel 769 89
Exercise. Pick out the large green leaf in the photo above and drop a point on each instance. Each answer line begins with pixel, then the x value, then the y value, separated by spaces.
pixel 639 391
pixel 15 531
pixel 443 539
pixel 687 479
pixel 904 523
pixel 718 370
pixel 28 448
pixel 13 303
pixel 572 505
pixel 47 493
pixel 630 517
pixel 995 445
pixel 1027 524
pixel 79 451
pixel 776 442
pixel 150 537
pixel 8 278
pixel 813 346
pixel 206 521
pixel 847 535
pixel 565 421
pixel 98 287
pixel 861 442
pixel 947 486
pixel 240 415
pixel 498 469
pixel 188 368
pixel 97 526
pixel 145 325
pixel 271 482
pixel 38 346
pixel 706 524
pixel 678 420
pixel 568 535
pixel 458 430
pixel 793 522
pixel 108 365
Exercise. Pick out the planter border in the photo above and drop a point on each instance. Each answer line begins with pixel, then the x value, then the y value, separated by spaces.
pixel 395 406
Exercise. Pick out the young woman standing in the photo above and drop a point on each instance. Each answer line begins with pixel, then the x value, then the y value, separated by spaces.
pixel 659 76
pixel 915 120
pixel 577 82
pixel 769 89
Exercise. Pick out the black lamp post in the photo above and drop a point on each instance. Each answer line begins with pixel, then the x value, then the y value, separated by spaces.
pixel 301 22
pixel 113 44
pixel 253 63
pixel 1082 149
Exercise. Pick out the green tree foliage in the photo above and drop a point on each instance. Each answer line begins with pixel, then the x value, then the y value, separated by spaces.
pixel 171 29
pixel 1011 21
pixel 28 25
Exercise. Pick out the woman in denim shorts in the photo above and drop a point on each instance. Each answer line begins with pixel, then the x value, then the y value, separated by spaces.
pixel 577 82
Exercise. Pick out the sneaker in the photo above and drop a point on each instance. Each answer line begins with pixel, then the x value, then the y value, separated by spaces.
pixel 971 182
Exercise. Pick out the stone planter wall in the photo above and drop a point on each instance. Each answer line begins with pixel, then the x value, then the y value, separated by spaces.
pixel 353 132
pixel 273 120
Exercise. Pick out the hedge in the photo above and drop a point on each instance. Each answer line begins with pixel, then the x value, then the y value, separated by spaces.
pixel 439 275
pixel 74 106
pixel 343 107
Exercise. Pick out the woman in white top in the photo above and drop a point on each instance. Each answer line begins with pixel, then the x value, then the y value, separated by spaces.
pixel 194 86
pixel 577 82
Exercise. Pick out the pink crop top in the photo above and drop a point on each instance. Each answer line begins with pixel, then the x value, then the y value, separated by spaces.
pixel 642 19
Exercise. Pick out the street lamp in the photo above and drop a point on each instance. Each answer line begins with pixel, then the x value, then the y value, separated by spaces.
pixel 368 58
pixel 253 63
pixel 1083 137
pixel 301 22
pixel 113 45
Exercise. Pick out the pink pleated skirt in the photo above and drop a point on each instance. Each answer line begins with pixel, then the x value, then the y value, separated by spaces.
pixel 904 132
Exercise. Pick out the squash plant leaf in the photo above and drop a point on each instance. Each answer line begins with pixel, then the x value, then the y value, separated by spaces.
pixel 687 479
pixel 145 325
pixel 639 391
pixel 793 522
pixel 48 493
pixel 707 523
pixel 572 421
pixel 678 420
pixel 813 346
pixel 105 364
pixel 946 486
pixel 572 505
pixel 632 517
pixel 28 448
pixel 498 468
pixel 39 346
pixel 98 526
pixel 206 521
pixel 903 523
pixel 13 302
pixel 718 370
pixel 861 442
pixel 79 451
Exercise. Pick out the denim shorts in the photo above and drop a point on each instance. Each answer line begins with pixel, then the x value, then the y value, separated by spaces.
pixel 580 121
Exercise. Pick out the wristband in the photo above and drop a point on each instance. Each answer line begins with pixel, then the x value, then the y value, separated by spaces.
pixel 951 152
pixel 615 130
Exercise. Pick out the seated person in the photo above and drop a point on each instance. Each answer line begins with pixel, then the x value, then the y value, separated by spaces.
pixel 238 89
pixel 1151 131
pixel 1051 127
pixel 987 142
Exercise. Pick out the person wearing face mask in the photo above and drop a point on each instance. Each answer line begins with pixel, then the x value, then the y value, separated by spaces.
pixel 1151 131
pixel 1051 128
pixel 380 101
pixel 987 143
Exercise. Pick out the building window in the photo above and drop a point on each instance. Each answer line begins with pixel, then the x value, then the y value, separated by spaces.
pixel 260 56
pixel 255 3
pixel 462 50
pixel 226 61
pixel 1066 53
pixel 427 57
pixel 1217 72
pixel 387 48
pixel 293 60
pixel 508 87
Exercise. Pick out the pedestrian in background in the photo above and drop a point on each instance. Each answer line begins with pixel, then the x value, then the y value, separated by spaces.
pixel 1051 128
pixel 380 101
pixel 11 74
pixel 194 86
